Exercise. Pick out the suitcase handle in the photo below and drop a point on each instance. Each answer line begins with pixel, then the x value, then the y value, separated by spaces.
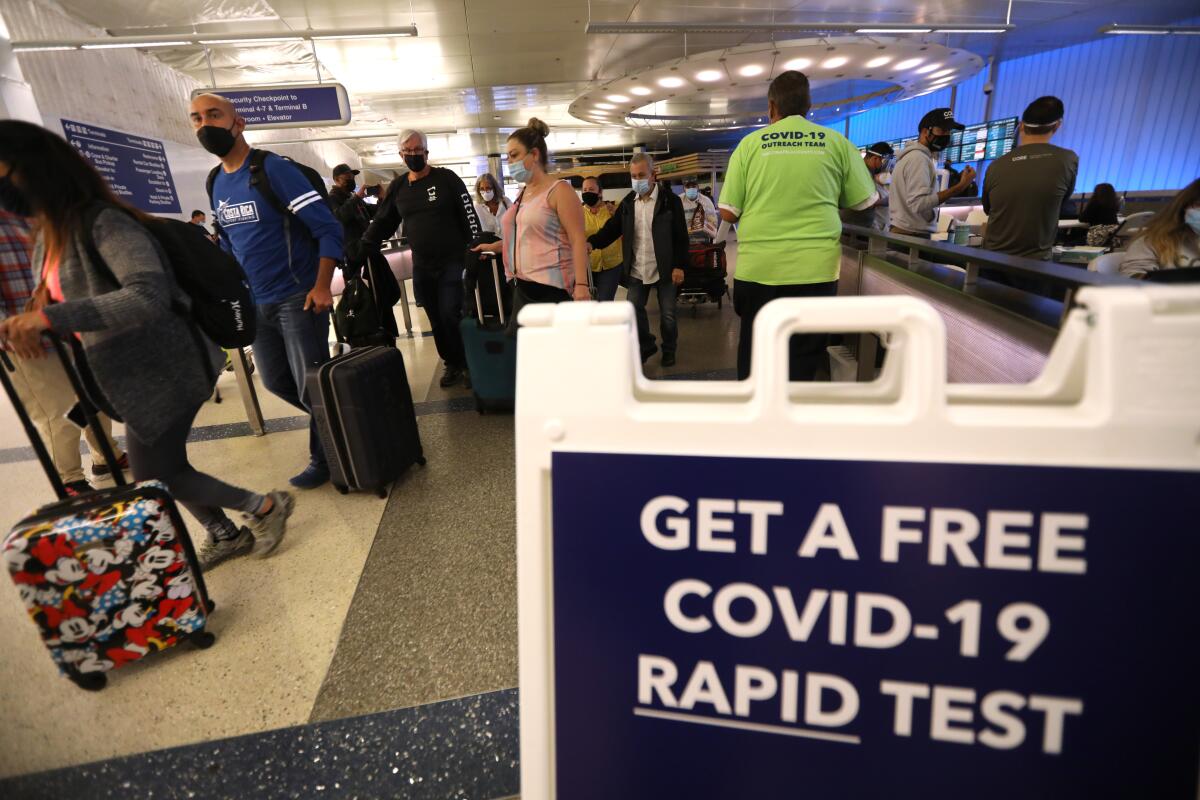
pixel 491 257
pixel 89 411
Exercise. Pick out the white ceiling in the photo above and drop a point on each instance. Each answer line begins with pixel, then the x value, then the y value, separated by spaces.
pixel 479 68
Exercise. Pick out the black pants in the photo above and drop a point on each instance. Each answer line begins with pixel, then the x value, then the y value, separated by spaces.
pixel 525 292
pixel 439 290
pixel 805 351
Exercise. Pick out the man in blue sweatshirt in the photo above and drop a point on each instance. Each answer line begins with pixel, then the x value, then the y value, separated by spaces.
pixel 288 257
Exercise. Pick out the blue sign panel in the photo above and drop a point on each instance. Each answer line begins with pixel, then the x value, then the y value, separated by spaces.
pixel 291 106
pixel 768 628
pixel 135 167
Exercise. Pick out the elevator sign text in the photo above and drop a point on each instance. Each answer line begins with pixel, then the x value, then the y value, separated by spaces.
pixel 769 628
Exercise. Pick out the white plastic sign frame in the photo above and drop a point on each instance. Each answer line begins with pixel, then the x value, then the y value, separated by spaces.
pixel 1121 389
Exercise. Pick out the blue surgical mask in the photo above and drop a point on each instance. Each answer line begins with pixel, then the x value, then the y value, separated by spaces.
pixel 519 172
pixel 642 186
pixel 1192 218
pixel 692 194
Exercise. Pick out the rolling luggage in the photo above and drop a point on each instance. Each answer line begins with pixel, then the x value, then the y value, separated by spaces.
pixel 704 279
pixel 366 419
pixel 108 577
pixel 491 352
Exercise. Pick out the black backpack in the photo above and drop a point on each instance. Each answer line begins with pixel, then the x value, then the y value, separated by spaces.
pixel 222 305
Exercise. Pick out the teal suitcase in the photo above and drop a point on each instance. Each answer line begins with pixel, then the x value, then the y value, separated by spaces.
pixel 491 352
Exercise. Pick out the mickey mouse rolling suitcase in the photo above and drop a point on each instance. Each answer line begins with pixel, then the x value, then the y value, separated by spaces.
pixel 110 576
pixel 491 352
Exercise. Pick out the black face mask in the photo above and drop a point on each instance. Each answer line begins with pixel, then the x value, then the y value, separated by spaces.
pixel 216 140
pixel 937 143
pixel 13 200
pixel 590 198
pixel 415 163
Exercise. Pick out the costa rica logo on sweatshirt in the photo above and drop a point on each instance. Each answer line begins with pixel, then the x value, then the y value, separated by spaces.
pixel 236 213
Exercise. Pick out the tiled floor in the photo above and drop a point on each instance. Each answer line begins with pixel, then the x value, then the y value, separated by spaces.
pixel 367 607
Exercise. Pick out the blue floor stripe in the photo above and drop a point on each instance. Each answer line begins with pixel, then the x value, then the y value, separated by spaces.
pixel 465 748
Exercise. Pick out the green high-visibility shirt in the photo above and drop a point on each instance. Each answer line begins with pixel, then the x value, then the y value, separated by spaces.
pixel 786 183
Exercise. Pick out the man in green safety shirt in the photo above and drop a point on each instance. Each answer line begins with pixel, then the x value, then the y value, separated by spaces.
pixel 784 186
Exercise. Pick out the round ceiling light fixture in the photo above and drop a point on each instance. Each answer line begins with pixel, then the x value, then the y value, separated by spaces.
pixel 723 89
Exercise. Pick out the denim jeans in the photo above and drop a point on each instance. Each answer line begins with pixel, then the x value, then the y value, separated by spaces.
pixel 606 282
pixel 290 342
pixel 639 295
pixel 439 290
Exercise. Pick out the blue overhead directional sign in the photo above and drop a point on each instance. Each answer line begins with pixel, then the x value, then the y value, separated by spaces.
pixel 308 106
pixel 135 167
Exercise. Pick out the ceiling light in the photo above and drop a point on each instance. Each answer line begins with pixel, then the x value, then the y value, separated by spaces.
pixel 670 82
pixel 1151 30
pixel 641 91
pixel 782 28
pixel 928 68
pixel 710 75
pixel 972 30
pixel 34 47
pixel 942 73
pixel 127 45
pixel 834 63
pixel 750 70
pixel 908 63
pixel 798 64
pixel 878 62
pixel 381 35
pixel 894 30
pixel 617 98
pixel 605 105
pixel 252 41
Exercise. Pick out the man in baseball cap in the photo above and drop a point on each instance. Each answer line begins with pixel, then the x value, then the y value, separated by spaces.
pixel 876 159
pixel 915 196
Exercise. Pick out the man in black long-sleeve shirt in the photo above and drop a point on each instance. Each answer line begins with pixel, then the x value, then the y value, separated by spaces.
pixel 440 224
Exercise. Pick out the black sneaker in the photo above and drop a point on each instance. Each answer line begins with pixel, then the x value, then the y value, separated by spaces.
pixel 452 376
pixel 647 353
pixel 76 488
pixel 104 470
pixel 668 359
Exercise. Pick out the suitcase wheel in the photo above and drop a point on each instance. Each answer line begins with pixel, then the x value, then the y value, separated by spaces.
pixel 202 640
pixel 381 493
pixel 479 404
pixel 90 681
pixel 341 489
pixel 421 460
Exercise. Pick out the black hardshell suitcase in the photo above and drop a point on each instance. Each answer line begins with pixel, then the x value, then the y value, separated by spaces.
pixel 366 418
pixel 108 577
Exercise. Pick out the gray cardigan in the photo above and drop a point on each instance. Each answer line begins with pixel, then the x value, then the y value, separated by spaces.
pixel 142 351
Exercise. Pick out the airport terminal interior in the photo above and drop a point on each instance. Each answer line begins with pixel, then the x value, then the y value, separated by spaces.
pixel 411 642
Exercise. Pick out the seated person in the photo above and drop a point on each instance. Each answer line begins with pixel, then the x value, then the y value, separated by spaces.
pixel 1171 240
pixel 1100 214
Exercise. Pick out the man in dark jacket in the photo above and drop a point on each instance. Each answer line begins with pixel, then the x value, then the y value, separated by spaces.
pixel 655 245
pixel 355 216
pixel 440 223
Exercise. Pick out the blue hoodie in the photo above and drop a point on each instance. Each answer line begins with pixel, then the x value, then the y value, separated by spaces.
pixel 253 231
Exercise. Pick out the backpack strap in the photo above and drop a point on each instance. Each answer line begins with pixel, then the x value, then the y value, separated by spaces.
pixel 208 185
pixel 262 184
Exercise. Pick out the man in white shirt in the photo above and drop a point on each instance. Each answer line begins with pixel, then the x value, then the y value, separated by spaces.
pixel 650 222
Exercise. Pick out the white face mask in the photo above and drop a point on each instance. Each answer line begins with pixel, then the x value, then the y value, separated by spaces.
pixel 487 195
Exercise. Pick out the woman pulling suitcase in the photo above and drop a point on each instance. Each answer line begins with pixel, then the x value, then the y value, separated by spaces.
pixel 111 288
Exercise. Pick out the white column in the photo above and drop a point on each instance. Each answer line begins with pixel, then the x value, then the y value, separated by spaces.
pixel 16 96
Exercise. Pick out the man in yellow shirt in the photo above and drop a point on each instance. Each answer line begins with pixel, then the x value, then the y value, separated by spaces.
pixel 606 263
pixel 784 186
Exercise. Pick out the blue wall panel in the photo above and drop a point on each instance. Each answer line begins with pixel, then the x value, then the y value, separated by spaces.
pixel 1132 107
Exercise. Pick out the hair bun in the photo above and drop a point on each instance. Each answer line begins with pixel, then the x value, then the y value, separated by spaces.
pixel 541 128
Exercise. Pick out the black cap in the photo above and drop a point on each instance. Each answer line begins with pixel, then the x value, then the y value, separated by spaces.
pixel 342 169
pixel 881 149
pixel 1043 111
pixel 940 118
